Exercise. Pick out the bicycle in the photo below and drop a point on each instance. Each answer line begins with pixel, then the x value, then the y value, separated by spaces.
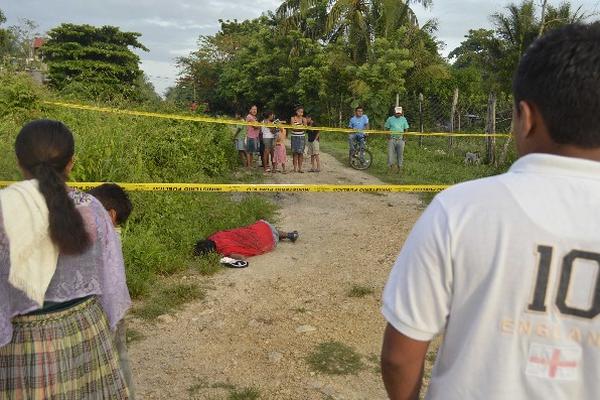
pixel 360 156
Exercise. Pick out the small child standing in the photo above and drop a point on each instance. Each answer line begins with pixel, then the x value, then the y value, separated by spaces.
pixel 268 137
pixel 116 202
pixel 313 146
pixel 280 156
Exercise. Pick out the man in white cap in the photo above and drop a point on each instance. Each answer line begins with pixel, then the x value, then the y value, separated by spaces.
pixel 396 124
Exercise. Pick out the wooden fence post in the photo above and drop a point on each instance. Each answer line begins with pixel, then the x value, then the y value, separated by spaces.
pixel 452 115
pixel 505 148
pixel 421 118
pixel 490 147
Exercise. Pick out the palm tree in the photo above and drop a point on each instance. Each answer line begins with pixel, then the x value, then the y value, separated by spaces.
pixel 518 27
pixel 358 21
pixel 391 14
pixel 555 17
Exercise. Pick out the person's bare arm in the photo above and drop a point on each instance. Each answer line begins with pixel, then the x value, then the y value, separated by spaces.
pixel 402 362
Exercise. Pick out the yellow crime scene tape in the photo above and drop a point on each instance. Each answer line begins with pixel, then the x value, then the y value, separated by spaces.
pixel 212 120
pixel 259 188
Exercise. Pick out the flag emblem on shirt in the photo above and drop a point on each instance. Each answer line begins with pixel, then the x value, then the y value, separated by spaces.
pixel 554 362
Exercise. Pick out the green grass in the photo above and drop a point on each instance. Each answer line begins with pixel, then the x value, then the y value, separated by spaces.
pixel 233 392
pixel 375 361
pixel 335 358
pixel 168 299
pixel 197 387
pixel 431 163
pixel 244 394
pixel 133 336
pixel 359 291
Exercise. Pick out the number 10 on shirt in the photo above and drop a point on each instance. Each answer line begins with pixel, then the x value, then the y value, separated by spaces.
pixel 564 282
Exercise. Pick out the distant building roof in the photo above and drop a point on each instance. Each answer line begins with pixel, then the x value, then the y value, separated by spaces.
pixel 38 42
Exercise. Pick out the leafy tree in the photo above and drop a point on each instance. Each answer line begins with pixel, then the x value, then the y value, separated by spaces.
pixel 5 38
pixel 16 43
pixel 424 51
pixel 481 51
pixel 377 81
pixel 496 53
pixel 96 60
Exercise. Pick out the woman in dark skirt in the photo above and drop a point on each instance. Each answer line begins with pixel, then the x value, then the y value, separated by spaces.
pixel 62 280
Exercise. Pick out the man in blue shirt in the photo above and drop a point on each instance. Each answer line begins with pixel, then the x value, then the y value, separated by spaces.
pixel 396 124
pixel 359 122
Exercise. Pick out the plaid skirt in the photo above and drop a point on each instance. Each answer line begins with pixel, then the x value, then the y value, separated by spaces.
pixel 63 355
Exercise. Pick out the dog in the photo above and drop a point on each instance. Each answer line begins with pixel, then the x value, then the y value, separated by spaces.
pixel 472 158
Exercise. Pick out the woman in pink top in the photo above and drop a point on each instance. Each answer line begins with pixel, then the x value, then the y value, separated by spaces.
pixel 252 134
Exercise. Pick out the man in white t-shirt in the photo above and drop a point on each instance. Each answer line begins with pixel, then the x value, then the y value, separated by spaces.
pixel 508 267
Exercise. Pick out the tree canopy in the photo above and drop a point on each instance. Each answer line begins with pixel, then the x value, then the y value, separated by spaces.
pixel 98 60
pixel 496 52
pixel 308 52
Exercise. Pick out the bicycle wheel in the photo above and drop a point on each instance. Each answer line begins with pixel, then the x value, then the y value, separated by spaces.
pixel 363 163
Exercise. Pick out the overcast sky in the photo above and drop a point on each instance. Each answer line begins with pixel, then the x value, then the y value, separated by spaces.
pixel 171 28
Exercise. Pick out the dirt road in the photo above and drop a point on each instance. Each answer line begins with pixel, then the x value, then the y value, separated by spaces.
pixel 257 326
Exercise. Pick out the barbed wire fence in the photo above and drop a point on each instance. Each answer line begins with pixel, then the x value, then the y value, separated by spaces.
pixel 462 114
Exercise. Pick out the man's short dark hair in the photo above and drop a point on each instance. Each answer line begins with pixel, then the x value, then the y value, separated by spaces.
pixel 359 108
pixel 560 75
pixel 113 197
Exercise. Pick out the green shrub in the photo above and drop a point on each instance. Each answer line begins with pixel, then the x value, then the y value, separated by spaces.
pixel 20 97
pixel 20 101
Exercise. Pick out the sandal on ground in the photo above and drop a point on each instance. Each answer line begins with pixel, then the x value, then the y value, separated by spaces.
pixel 312 170
pixel 300 172
pixel 317 170
pixel 233 263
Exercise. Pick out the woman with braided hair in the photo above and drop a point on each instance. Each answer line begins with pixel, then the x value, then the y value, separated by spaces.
pixel 62 279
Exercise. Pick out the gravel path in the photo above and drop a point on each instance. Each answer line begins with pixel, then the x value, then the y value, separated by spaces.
pixel 256 326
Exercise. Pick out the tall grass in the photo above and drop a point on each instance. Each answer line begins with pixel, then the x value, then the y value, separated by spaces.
pixel 159 237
